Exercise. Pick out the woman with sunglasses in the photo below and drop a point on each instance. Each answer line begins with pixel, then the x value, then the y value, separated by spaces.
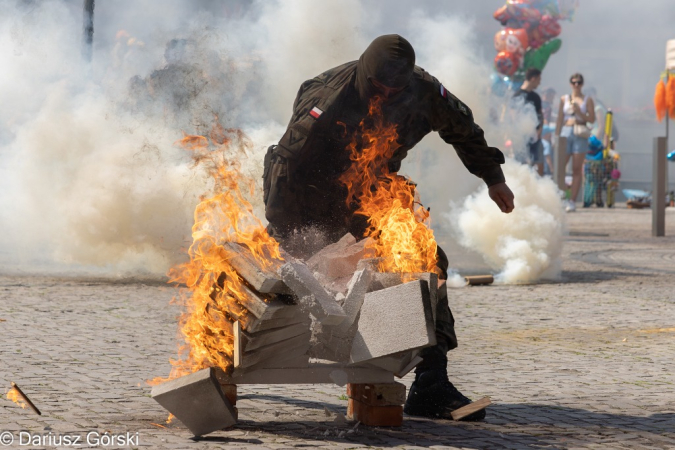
pixel 576 110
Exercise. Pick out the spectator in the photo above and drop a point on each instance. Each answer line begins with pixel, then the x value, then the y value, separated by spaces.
pixel 576 110
pixel 526 91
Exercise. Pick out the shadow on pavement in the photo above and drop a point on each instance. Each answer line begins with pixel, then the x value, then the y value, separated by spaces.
pixel 507 426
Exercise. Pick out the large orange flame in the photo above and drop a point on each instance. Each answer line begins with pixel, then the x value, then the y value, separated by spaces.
pixel 211 300
pixel 397 222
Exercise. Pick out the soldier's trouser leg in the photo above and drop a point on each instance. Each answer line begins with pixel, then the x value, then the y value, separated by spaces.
pixel 436 357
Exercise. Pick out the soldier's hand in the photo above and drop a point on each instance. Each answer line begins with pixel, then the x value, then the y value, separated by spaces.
pixel 502 196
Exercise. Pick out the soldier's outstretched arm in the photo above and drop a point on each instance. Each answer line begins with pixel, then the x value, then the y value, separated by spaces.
pixel 455 125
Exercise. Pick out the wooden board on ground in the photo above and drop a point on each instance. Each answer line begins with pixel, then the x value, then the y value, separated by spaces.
pixel 471 408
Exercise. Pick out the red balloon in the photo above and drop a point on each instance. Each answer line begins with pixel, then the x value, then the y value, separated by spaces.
pixel 549 27
pixel 507 63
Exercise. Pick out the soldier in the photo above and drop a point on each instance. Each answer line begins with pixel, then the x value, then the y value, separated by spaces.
pixel 301 177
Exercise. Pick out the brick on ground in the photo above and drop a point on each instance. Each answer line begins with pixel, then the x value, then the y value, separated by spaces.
pixel 394 320
pixel 378 394
pixel 197 401
pixel 311 295
pixel 375 416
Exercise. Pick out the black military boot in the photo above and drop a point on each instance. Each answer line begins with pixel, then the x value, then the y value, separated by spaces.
pixel 432 395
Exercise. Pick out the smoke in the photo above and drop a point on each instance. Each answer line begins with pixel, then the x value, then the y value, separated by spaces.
pixel 90 176
pixel 525 245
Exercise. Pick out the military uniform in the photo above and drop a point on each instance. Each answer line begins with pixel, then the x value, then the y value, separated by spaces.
pixel 301 176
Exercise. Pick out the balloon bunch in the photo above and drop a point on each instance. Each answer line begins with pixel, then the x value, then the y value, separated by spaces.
pixel 530 34
pixel 664 96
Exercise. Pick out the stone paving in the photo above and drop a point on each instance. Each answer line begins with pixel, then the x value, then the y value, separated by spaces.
pixel 586 362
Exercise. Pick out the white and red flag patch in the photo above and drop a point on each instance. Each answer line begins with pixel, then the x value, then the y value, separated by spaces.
pixel 444 92
pixel 315 112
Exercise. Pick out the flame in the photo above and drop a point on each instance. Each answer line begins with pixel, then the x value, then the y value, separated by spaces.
pixel 213 286
pixel 14 396
pixel 397 222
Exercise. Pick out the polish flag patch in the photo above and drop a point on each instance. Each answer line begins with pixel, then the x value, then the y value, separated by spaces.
pixel 315 112
pixel 444 92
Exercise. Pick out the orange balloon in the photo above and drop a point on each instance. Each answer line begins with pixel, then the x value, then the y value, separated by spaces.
pixel 660 101
pixel 670 96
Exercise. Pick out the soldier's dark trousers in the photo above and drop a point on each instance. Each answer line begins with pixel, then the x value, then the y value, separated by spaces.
pixel 436 357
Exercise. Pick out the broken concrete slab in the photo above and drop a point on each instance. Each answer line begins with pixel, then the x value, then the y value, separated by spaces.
pixel 197 401
pixel 263 279
pixel 394 320
pixel 334 342
pixel 311 295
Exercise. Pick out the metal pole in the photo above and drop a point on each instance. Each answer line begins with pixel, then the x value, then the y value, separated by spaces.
pixel 560 163
pixel 88 29
pixel 659 187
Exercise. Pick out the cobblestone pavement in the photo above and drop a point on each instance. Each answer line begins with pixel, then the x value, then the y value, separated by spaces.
pixel 582 363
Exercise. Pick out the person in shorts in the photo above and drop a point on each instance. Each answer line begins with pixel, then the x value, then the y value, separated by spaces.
pixel 575 109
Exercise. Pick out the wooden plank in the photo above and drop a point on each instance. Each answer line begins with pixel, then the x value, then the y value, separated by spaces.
pixel 264 280
pixel 238 350
pixel 315 373
pixel 471 408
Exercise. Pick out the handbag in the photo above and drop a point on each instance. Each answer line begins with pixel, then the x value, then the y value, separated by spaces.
pixel 581 130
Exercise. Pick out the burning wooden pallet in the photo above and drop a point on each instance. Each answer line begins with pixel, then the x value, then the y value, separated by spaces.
pixel 336 309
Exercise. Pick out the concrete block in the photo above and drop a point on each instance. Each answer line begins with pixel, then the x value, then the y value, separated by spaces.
pixel 288 348
pixel 375 416
pixel 197 401
pixel 253 341
pixel 381 281
pixel 356 294
pixel 230 392
pixel 311 295
pixel 394 320
pixel 380 394
pixel 263 279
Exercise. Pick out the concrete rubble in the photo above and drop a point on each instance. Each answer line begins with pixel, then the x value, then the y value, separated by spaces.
pixel 334 308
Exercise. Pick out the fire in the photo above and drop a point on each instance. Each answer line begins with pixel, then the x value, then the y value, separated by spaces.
pixel 213 286
pixel 397 222
pixel 14 396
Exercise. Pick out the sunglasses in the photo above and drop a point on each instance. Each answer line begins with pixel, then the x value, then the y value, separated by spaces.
pixel 578 83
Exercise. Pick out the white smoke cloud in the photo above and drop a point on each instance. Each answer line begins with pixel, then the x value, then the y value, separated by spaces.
pixel 90 172
pixel 525 245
